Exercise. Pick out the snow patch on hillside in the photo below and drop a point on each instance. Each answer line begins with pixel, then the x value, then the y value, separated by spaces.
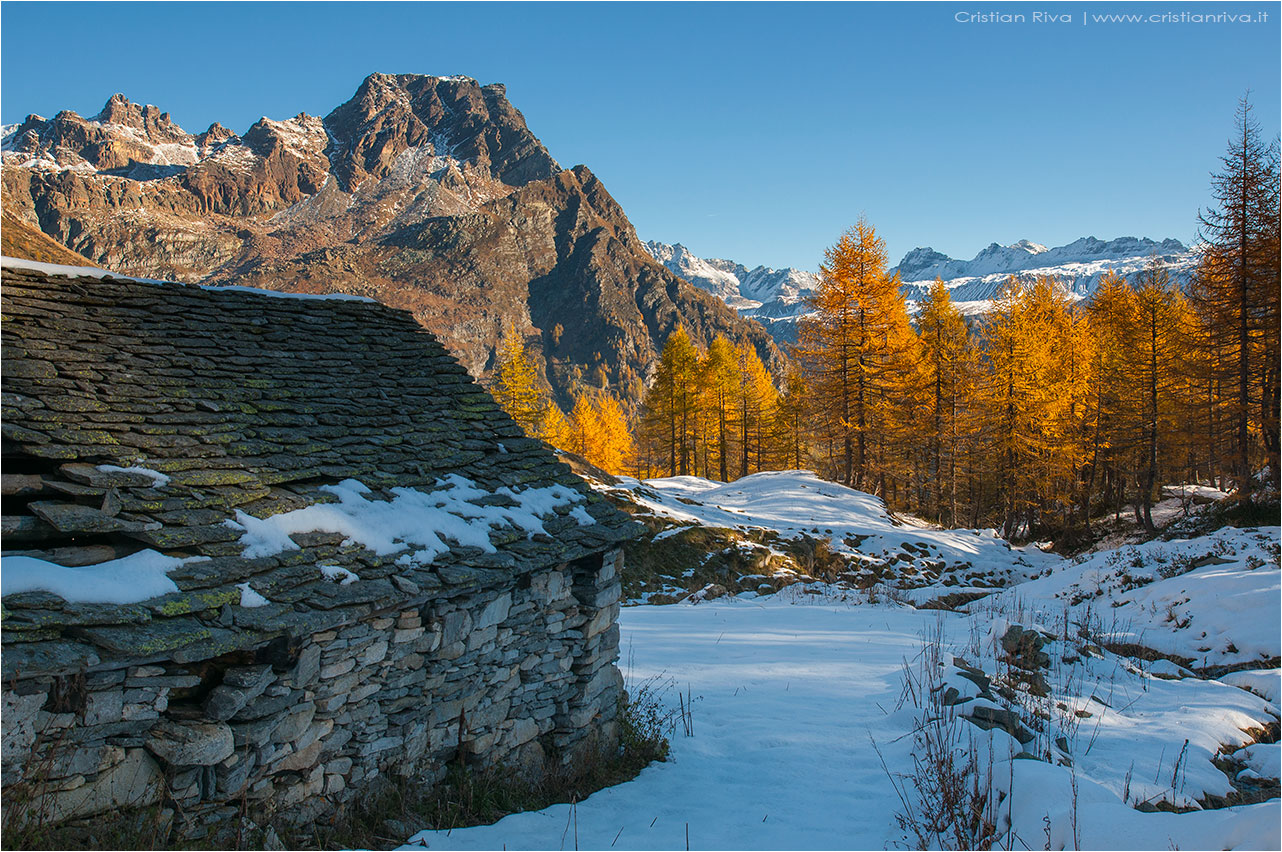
pixel 796 503
pixel 1212 600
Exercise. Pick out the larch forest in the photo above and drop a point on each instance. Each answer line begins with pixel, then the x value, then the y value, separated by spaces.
pixel 1034 419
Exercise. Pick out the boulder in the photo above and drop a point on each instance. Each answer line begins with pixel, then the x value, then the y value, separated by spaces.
pixel 988 718
pixel 1024 648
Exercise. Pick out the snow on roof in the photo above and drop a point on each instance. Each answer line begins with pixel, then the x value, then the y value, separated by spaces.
pixel 158 479
pixel 102 274
pixel 413 520
pixel 130 579
pixel 61 269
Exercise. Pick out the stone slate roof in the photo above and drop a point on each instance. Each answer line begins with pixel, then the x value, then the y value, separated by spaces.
pixel 246 402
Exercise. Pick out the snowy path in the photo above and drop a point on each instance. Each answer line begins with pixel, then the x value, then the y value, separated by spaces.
pixel 780 758
pixel 787 695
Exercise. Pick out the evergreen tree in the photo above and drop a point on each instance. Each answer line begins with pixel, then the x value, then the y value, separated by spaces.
pixel 755 403
pixel 1039 355
pixel 616 450
pixel 556 429
pixel 790 436
pixel 1159 325
pixel 948 372
pixel 1110 438
pixel 671 406
pixel 598 431
pixel 719 376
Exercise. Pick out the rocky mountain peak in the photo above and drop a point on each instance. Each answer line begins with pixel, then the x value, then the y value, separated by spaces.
pixel 451 117
pixel 156 126
pixel 428 193
pixel 918 259
pixel 122 136
pixel 1028 246
pixel 213 137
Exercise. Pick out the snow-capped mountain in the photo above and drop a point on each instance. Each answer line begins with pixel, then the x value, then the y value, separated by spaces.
pixel 777 297
pixel 774 297
pixel 1079 266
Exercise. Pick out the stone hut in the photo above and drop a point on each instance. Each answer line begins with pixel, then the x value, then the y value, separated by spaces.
pixel 264 549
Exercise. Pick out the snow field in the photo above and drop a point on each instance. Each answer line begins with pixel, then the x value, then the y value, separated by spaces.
pixel 785 698
pixel 789 700
pixel 792 690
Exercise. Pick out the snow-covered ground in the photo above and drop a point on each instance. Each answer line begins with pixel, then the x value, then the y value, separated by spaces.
pixel 794 503
pixel 784 700
pixel 792 692
pixel 1212 600
pixel 813 706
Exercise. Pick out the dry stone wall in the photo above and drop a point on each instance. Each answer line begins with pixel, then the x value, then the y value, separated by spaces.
pixel 520 674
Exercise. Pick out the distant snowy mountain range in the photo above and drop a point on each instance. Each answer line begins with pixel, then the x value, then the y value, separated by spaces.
pixel 773 297
pixel 1079 265
pixel 776 297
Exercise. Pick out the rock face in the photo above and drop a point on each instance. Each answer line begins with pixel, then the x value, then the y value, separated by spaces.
pixel 426 193
pixel 22 240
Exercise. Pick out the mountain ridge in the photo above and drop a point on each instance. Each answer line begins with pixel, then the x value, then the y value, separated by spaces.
pixel 777 298
pixel 427 193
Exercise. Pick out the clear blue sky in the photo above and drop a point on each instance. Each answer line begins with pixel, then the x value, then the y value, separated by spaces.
pixel 757 132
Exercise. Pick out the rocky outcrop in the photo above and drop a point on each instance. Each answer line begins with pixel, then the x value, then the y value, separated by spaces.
pixel 426 193
pixel 594 307
pixel 453 116
pixel 18 239
pixel 275 164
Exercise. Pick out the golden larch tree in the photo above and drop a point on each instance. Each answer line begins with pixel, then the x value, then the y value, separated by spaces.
pixel 515 383
pixel 853 345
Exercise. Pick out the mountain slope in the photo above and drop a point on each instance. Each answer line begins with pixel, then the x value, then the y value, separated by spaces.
pixel 426 193
pixel 18 239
